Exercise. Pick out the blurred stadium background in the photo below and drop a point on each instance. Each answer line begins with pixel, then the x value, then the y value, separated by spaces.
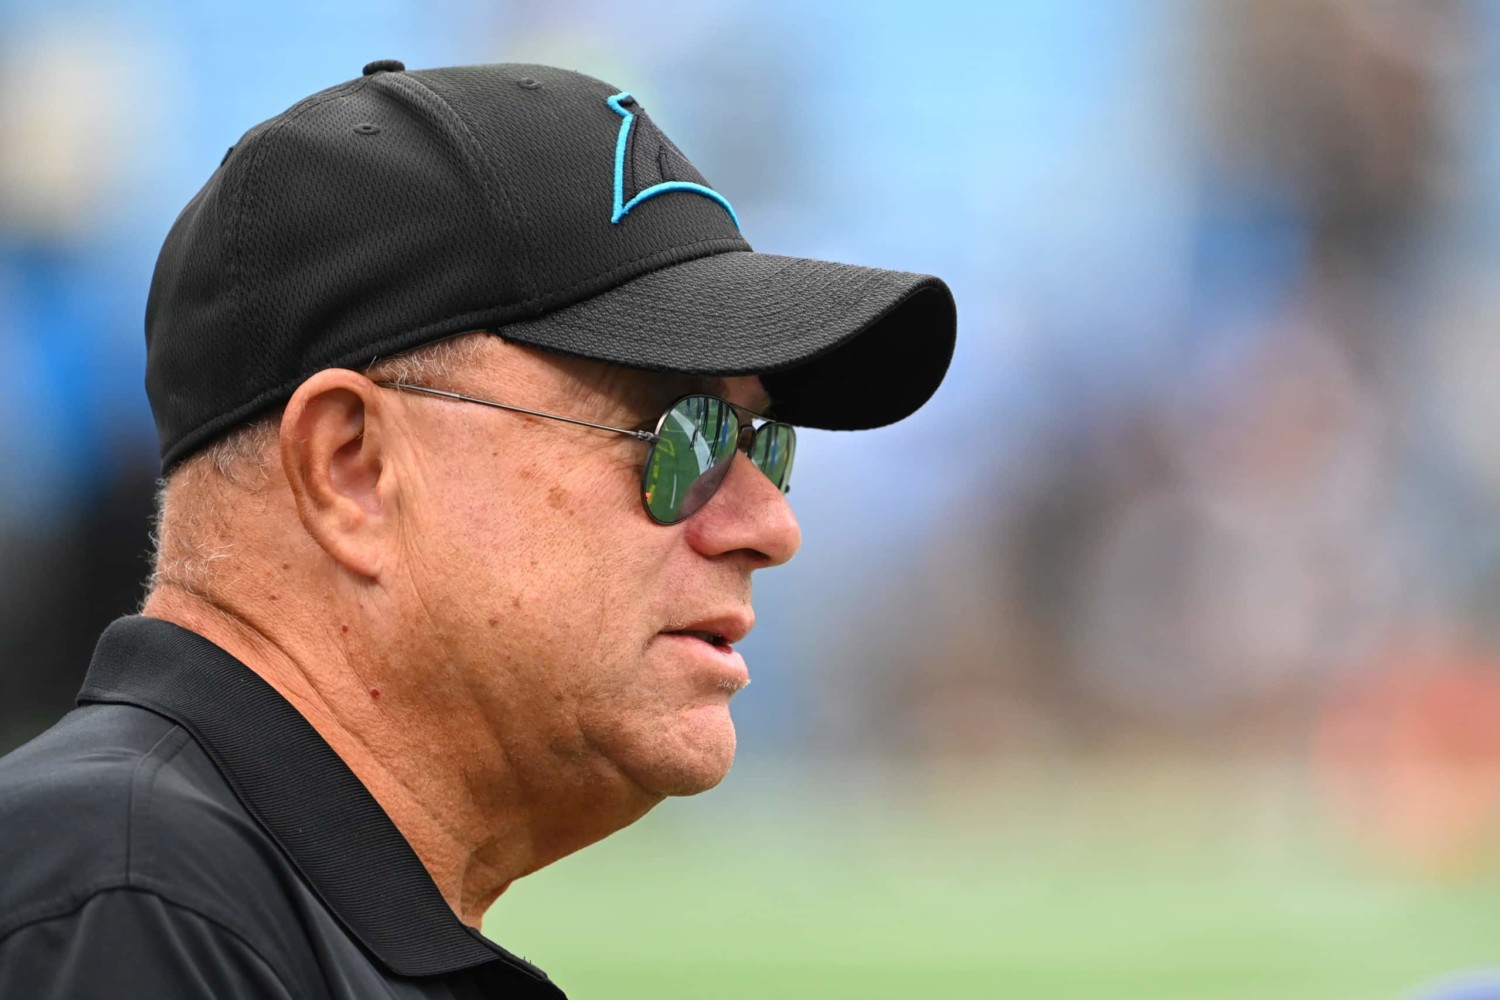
pixel 1158 657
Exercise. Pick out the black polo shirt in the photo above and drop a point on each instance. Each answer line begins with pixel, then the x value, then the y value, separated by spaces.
pixel 185 832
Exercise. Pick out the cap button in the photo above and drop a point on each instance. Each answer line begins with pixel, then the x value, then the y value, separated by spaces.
pixel 384 66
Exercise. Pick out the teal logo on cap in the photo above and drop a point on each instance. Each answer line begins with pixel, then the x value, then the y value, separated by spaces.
pixel 644 154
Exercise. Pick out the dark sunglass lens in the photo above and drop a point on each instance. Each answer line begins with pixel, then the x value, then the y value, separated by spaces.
pixel 774 449
pixel 690 460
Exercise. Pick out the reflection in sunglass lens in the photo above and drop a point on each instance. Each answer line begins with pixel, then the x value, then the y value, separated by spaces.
pixel 690 458
pixel 774 448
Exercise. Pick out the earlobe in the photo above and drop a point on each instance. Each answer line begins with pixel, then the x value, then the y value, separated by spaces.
pixel 331 451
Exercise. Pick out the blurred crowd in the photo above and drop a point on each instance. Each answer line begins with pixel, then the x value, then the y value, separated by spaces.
pixel 1213 472
pixel 1281 538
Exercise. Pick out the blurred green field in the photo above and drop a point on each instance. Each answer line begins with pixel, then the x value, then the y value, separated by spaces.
pixel 1202 882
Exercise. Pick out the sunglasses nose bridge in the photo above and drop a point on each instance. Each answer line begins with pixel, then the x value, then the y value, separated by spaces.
pixel 746 440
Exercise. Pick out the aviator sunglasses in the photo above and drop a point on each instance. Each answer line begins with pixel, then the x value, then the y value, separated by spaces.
pixel 692 448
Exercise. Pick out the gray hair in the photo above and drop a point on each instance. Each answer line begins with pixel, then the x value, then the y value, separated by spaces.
pixel 193 498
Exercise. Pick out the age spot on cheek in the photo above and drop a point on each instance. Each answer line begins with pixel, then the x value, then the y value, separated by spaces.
pixel 557 497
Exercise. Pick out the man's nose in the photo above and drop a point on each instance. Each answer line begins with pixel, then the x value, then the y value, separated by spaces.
pixel 747 514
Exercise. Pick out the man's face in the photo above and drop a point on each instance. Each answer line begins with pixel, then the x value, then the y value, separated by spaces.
pixel 551 608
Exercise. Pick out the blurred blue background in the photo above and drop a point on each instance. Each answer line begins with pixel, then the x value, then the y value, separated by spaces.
pixel 1157 656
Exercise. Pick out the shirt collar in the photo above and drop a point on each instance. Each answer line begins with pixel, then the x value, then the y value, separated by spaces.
pixel 299 790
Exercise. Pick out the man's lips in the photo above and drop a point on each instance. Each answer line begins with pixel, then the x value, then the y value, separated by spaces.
pixel 719 630
pixel 712 639
pixel 723 663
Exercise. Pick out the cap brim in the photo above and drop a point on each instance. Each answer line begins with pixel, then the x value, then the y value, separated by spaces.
pixel 838 346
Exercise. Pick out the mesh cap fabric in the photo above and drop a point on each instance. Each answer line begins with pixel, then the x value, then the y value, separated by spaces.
pixel 401 207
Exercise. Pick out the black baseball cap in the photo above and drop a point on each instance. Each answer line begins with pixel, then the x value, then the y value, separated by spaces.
pixel 403 207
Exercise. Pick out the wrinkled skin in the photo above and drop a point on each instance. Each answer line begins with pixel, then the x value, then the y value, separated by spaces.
pixel 473 608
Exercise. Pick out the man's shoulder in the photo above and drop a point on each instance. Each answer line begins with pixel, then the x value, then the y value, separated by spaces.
pixel 65 801
pixel 118 797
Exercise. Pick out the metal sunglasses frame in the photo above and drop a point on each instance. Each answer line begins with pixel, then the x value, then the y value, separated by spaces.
pixel 744 442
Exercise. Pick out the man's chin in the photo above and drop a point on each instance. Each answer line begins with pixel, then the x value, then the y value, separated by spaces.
pixel 693 759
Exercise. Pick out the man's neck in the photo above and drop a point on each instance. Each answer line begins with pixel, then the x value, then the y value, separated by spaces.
pixel 423 780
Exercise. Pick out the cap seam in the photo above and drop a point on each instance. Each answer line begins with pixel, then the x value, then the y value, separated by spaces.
pixel 245 194
pixel 492 183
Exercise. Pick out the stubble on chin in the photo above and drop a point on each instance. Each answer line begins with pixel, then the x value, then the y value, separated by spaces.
pixel 686 762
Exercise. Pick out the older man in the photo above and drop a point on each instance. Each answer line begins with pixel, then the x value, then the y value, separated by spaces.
pixel 460 377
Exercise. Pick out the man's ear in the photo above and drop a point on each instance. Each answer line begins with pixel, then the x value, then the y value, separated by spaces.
pixel 336 463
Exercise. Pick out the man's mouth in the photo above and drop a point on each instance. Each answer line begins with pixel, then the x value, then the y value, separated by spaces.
pixel 720 630
pixel 711 644
pixel 712 638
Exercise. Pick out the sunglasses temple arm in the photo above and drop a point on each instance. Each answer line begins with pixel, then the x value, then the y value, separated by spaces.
pixel 647 436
